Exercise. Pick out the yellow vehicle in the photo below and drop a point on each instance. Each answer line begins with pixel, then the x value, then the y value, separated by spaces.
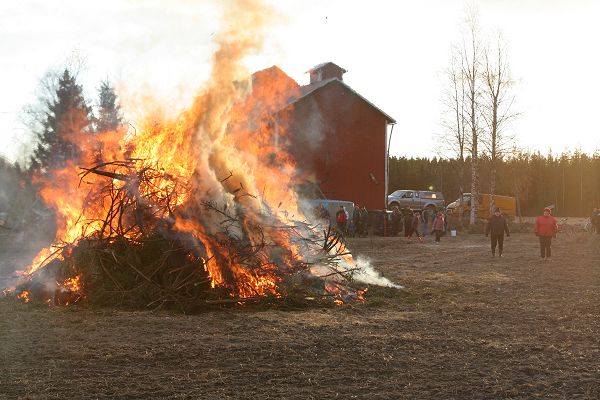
pixel 507 205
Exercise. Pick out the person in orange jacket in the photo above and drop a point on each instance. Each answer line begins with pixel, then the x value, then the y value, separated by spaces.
pixel 546 229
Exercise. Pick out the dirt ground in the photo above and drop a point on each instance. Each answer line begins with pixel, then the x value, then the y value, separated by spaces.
pixel 466 326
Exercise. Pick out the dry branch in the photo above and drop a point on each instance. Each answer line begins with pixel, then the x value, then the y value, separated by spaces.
pixel 137 259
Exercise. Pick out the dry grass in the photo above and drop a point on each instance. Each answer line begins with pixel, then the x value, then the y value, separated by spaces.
pixel 466 326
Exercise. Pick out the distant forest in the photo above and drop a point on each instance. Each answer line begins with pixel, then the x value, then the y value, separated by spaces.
pixel 571 182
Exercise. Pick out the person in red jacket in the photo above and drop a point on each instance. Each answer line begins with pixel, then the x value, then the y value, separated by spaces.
pixel 546 229
pixel 341 218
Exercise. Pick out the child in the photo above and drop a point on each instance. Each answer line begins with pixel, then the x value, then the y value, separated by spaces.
pixel 415 225
pixel 438 226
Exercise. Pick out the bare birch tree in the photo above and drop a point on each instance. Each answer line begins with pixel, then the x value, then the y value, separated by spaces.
pixel 454 138
pixel 462 104
pixel 471 69
pixel 496 109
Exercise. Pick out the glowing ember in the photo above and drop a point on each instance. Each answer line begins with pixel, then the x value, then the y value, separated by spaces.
pixel 73 284
pixel 24 296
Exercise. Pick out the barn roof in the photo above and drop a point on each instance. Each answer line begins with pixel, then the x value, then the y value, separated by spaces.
pixel 314 87
pixel 275 72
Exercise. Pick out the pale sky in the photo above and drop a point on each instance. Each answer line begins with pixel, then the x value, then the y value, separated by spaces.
pixel 395 52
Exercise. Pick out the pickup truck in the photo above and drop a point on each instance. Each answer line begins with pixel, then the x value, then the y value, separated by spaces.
pixel 416 200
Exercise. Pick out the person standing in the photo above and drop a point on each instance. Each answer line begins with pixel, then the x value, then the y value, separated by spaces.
pixel 341 218
pixel 424 220
pixel 408 217
pixel 546 229
pixel 363 222
pixel 438 226
pixel 595 219
pixel 497 226
pixel 322 213
pixel 356 220
pixel 415 226
pixel 396 221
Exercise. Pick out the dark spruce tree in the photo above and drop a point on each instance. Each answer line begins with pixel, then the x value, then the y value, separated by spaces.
pixel 109 111
pixel 67 116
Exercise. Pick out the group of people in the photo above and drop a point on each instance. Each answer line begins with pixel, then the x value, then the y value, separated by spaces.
pixel 360 222
pixel 545 229
pixel 423 223
pixel 346 224
pixel 418 223
pixel 357 224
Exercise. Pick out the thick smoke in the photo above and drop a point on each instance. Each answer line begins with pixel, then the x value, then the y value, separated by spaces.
pixel 223 147
pixel 367 274
pixel 25 224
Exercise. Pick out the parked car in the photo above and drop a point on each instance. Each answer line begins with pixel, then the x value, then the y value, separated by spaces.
pixel 416 200
pixel 507 205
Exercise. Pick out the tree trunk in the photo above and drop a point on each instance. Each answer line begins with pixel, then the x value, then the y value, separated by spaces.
pixel 519 209
pixel 473 189
pixel 474 160
pixel 493 188
pixel 461 207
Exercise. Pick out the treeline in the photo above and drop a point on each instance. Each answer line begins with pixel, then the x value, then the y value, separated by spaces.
pixel 62 121
pixel 570 181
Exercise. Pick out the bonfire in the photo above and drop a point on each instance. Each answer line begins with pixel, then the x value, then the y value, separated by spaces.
pixel 151 249
pixel 192 210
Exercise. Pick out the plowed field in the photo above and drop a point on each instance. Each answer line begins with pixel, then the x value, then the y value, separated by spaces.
pixel 466 326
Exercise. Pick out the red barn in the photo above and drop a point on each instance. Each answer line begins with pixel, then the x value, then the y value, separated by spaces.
pixel 338 138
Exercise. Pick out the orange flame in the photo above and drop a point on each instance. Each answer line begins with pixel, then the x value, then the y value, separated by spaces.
pixel 73 284
pixel 228 146
pixel 24 296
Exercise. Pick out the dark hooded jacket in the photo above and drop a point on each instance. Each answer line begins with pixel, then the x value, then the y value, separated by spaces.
pixel 497 225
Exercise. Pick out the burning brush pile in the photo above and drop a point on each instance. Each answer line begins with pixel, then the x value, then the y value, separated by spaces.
pixel 192 210
pixel 150 249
